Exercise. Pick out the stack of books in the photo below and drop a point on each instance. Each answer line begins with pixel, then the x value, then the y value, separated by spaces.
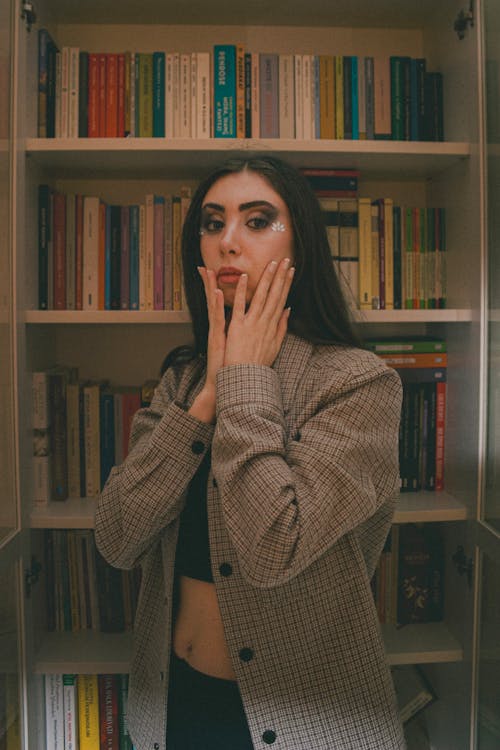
pixel 229 92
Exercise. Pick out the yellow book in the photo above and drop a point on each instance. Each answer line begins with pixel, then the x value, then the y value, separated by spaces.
pixel 389 253
pixel 88 712
pixel 365 252
pixel 145 95
pixel 326 96
pixel 339 96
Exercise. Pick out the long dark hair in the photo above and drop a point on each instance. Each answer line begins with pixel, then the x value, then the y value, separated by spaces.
pixel 319 312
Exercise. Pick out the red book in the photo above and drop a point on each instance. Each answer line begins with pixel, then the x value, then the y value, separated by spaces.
pixel 93 96
pixel 440 429
pixel 79 252
pixel 120 125
pixel 108 712
pixel 102 95
pixel 59 223
pixel 111 107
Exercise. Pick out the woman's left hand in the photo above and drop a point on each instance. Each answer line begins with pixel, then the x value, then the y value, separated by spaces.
pixel 255 335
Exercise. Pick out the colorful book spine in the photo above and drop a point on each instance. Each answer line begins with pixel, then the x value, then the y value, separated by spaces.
pixel 158 94
pixel 88 712
pixel 134 256
pixel 269 96
pixel 225 91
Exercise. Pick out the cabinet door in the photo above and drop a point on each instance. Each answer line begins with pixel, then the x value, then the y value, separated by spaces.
pixel 488 666
pixel 10 713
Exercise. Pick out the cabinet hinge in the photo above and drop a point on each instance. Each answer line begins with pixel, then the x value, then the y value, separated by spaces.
pixel 464 19
pixel 28 13
pixel 463 564
pixel 31 575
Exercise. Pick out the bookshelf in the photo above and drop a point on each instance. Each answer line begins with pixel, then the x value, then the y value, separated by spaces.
pixel 104 343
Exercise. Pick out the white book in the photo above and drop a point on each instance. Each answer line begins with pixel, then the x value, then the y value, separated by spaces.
pixel 203 98
pixel 142 257
pixel 73 91
pixel 54 715
pixel 70 712
pixel 185 96
pixel 64 92
pixel 71 251
pixel 299 97
pixel 42 482
pixel 307 91
pixel 169 96
pixel 90 253
pixel 286 96
pixel 255 95
pixel 194 94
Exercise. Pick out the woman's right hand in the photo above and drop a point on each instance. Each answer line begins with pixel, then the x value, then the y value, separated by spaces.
pixel 203 406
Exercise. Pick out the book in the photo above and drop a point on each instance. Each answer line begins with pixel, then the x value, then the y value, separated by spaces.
pixel 88 712
pixel 413 690
pixel 225 91
pixel 158 94
pixel 269 96
pixel 420 573
pixel 54 711
pixel 144 102
pixel 44 231
pixel 90 249
pixel 382 98
pixel 396 345
pixel 108 711
pixel 70 703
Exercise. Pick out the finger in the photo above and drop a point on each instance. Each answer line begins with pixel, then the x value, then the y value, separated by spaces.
pixel 262 290
pixel 277 295
pixel 282 327
pixel 240 294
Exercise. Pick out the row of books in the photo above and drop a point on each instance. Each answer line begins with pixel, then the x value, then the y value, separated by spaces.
pixel 84 592
pixel 86 711
pixel 96 256
pixel 422 366
pixel 387 257
pixel 408 585
pixel 228 92
pixel 81 430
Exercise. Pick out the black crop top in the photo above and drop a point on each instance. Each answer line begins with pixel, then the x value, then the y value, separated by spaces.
pixel 192 557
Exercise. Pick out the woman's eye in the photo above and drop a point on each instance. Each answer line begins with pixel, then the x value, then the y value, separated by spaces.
pixel 213 225
pixel 258 222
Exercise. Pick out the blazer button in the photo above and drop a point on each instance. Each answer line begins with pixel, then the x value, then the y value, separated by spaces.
pixel 197 447
pixel 156 746
pixel 269 736
pixel 225 569
pixel 246 654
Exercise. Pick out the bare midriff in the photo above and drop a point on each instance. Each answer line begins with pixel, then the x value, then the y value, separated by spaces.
pixel 198 631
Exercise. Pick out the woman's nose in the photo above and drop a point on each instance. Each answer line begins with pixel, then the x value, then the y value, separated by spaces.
pixel 229 239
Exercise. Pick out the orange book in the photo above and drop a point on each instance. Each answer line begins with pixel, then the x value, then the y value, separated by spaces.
pixel 93 97
pixel 111 94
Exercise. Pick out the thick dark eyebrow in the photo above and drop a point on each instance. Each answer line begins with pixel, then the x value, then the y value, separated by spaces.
pixel 241 207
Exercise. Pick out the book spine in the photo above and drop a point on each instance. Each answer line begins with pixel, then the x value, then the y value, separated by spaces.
pixel 142 257
pixel 145 103
pixel 327 96
pixel 106 436
pixel 108 711
pixel 158 250
pixel 102 63
pixel 70 240
pixel 397 261
pixel 127 94
pixel 203 95
pixel 225 91
pixel 347 82
pixel 125 741
pixel 365 263
pixel 149 252
pixel 370 98
pixel 355 98
pixel 176 256
pixel 52 53
pixel 124 258
pixel 382 98
pixel 93 96
pixel 158 94
pixel 64 94
pixel 83 94
pixel 389 253
pixel 115 257
pixel 440 434
pixel 43 245
pixel 54 711
pixel 134 257
pixel 299 97
pixel 307 97
pixel 92 440
pixel 375 256
pixel 120 87
pixel 240 91
pixel 88 712
pixel 269 96
pixel 73 92
pixel 73 438
pixel 185 95
pixel 248 95
pixel 43 75
pixel 59 251
pixel 286 97
pixel 256 95
pixel 194 93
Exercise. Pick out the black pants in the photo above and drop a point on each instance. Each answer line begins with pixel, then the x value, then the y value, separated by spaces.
pixel 204 713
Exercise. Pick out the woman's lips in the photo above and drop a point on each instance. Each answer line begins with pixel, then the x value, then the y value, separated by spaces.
pixel 228 275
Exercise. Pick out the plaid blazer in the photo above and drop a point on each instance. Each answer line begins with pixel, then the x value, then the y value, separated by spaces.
pixel 300 499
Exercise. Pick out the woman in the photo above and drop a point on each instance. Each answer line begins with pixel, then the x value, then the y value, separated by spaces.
pixel 270 452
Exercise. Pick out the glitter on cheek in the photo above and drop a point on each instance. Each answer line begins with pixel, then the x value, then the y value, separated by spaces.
pixel 277 226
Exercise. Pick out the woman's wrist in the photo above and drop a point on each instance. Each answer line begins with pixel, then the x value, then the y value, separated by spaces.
pixel 203 406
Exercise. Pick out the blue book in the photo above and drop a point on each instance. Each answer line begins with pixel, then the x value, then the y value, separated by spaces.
pixel 369 99
pixel 46 84
pixel 158 95
pixel 107 261
pixel 225 91
pixel 134 257
pixel 355 98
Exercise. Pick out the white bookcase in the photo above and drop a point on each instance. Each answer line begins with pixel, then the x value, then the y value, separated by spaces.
pixel 128 347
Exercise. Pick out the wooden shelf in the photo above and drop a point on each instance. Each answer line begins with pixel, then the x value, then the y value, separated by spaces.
pixel 78 513
pixel 185 157
pixel 58 317
pixel 88 652
pixel 421 644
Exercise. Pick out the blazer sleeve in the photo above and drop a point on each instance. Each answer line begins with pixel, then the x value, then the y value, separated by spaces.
pixel 286 502
pixel 146 492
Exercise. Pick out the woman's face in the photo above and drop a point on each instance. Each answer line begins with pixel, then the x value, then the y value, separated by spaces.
pixel 245 225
